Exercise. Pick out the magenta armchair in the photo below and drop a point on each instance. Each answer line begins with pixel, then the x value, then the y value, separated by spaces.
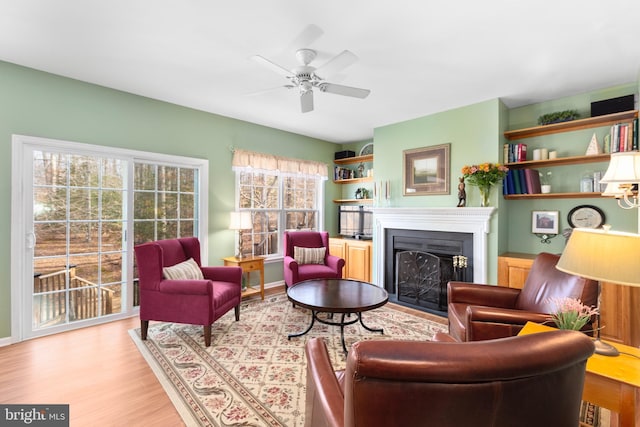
pixel 191 301
pixel 294 271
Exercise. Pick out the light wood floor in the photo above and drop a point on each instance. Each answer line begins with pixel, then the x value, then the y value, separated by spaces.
pixel 98 371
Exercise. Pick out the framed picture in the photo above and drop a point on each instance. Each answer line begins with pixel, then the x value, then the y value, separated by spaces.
pixel 545 222
pixel 426 170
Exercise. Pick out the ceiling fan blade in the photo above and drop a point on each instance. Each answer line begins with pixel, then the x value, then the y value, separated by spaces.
pixel 306 101
pixel 272 66
pixel 269 90
pixel 335 64
pixel 308 35
pixel 344 90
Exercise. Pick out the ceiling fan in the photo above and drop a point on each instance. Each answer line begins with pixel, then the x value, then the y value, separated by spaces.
pixel 305 77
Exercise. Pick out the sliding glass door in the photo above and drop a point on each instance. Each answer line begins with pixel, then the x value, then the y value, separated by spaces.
pixel 79 256
pixel 80 203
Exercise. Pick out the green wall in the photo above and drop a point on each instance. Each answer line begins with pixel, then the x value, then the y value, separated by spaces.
pixel 40 104
pixel 474 134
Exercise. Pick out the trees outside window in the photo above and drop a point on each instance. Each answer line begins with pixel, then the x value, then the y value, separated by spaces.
pixel 277 202
pixel 79 203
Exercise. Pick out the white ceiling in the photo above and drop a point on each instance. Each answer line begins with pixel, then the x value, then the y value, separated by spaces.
pixel 417 57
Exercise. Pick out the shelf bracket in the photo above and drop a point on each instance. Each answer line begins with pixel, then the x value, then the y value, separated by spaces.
pixel 545 238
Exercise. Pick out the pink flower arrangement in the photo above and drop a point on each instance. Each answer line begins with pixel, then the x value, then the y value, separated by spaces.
pixel 572 313
pixel 484 174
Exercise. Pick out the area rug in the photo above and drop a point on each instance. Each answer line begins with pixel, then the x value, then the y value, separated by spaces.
pixel 252 375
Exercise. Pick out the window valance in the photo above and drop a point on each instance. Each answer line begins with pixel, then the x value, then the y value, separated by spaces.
pixel 269 162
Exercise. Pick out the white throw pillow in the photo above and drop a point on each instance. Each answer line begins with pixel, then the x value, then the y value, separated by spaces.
pixel 187 270
pixel 309 255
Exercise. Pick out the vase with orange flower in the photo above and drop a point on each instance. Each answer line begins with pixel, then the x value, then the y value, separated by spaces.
pixel 484 176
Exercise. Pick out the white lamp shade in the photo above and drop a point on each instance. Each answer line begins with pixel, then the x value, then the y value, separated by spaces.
pixel 607 256
pixel 624 168
pixel 613 190
pixel 240 220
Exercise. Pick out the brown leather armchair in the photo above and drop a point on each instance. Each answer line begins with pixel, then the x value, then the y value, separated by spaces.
pixel 481 312
pixel 525 381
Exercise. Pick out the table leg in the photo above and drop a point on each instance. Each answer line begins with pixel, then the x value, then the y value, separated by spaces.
pixel 344 346
pixel 368 328
pixel 313 319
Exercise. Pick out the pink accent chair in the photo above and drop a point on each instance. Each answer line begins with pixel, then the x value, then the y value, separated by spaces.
pixel 196 302
pixel 294 272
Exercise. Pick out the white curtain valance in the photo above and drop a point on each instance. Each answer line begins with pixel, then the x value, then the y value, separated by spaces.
pixel 269 162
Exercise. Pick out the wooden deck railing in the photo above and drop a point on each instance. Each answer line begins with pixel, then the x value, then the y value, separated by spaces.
pixel 49 304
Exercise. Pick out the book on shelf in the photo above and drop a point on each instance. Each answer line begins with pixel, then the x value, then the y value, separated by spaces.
pixel 510 184
pixel 516 181
pixel 522 181
pixel 533 181
pixel 513 153
pixel 622 137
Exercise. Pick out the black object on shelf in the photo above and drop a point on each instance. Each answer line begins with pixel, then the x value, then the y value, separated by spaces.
pixel 613 105
pixel 344 154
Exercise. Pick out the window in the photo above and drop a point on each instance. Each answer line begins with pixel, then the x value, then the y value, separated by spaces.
pixel 277 198
pixel 165 202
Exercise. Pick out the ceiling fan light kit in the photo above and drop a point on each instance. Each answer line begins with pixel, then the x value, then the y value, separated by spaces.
pixel 305 77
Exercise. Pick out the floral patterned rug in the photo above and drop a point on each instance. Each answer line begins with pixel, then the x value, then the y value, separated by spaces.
pixel 252 375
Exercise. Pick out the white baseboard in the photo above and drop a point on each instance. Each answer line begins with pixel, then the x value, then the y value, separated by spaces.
pixel 5 341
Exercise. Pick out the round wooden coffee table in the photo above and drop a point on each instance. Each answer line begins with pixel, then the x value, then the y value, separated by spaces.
pixel 337 296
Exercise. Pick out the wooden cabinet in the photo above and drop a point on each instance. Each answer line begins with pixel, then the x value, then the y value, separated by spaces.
pixel 588 123
pixel 513 269
pixel 621 322
pixel 339 180
pixel 357 257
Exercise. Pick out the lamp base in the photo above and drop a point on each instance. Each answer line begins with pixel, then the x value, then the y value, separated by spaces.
pixel 605 349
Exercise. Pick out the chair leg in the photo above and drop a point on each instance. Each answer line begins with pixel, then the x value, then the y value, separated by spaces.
pixel 237 310
pixel 144 327
pixel 207 335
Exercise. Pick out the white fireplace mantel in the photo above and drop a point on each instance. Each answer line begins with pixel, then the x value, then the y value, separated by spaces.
pixel 463 220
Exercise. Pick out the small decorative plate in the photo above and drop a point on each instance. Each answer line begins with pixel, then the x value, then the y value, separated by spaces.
pixel 367 149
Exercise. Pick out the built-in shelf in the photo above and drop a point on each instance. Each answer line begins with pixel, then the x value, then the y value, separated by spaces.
pixel 552 196
pixel 573 125
pixel 354 180
pixel 588 123
pixel 352 160
pixel 352 200
pixel 560 161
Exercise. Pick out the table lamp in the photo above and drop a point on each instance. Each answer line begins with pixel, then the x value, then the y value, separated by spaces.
pixel 605 256
pixel 622 177
pixel 240 220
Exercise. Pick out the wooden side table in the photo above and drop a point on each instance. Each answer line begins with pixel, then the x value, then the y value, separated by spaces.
pixel 249 264
pixel 610 382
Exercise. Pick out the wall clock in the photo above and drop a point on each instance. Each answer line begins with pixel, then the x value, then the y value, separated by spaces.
pixel 586 216
pixel 367 149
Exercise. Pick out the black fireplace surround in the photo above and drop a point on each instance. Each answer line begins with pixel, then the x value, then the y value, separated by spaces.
pixel 443 244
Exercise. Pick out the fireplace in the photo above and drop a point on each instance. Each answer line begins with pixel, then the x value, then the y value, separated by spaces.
pixel 470 228
pixel 420 263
